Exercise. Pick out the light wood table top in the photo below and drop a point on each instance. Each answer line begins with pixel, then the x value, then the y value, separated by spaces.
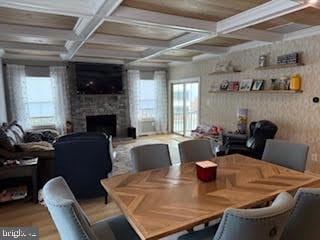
pixel 164 201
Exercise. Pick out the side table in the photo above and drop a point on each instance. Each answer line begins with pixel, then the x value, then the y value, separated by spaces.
pixel 26 169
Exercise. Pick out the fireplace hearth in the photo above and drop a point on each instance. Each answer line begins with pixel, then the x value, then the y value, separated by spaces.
pixel 102 123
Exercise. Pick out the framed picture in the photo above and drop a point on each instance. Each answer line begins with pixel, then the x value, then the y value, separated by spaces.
pixel 233 86
pixel 224 86
pixel 246 84
pixel 257 85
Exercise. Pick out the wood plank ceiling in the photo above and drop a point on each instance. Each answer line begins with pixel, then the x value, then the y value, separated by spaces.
pixel 200 9
pixel 46 33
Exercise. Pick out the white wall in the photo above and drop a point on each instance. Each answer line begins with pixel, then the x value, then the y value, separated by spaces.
pixel 3 109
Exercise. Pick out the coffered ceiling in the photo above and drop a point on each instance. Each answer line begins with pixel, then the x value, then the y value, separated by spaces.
pixel 147 31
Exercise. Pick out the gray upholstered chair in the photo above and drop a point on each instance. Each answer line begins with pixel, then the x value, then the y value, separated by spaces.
pixel 150 156
pixel 73 224
pixel 286 154
pixel 304 220
pixel 195 150
pixel 249 224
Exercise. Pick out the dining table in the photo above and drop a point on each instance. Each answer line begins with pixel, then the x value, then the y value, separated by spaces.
pixel 161 202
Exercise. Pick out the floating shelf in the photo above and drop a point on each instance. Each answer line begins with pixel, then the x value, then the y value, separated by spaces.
pixel 221 72
pixel 279 66
pixel 260 91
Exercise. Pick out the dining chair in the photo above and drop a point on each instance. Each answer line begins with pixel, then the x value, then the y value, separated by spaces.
pixel 304 220
pixel 249 224
pixel 150 156
pixel 286 154
pixel 71 221
pixel 195 150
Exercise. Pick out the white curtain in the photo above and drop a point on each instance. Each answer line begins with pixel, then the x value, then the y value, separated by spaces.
pixel 161 110
pixel 134 98
pixel 61 96
pixel 18 95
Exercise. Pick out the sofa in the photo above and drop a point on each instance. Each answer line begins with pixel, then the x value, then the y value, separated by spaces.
pixel 16 143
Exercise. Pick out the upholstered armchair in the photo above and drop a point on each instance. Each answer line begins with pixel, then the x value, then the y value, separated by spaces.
pixel 83 159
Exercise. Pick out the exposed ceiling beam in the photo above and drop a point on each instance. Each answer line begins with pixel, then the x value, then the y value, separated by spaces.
pixel 108 53
pixel 261 13
pixel 29 57
pixel 131 41
pixel 97 60
pixel 37 32
pixel 31 46
pixel 255 34
pixel 175 58
pixel 62 7
pixel 208 48
pixel 177 43
pixel 144 17
pixel 86 26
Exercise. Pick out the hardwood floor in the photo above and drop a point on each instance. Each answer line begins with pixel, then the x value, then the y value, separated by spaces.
pixel 30 214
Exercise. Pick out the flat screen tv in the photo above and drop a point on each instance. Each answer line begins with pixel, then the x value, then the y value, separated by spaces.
pixel 99 78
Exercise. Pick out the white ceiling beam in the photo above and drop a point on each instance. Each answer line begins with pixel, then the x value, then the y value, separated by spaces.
pixel 97 60
pixel 208 48
pixel 31 46
pixel 177 43
pixel 62 7
pixel 255 34
pixel 87 26
pixel 29 57
pixel 261 13
pixel 37 32
pixel 108 53
pixel 131 41
pixel 175 58
pixel 144 17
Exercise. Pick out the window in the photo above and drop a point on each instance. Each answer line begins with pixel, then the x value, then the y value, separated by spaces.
pixel 147 93
pixel 40 101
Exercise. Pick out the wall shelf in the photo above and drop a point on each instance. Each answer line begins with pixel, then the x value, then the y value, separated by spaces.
pixel 221 72
pixel 279 66
pixel 260 92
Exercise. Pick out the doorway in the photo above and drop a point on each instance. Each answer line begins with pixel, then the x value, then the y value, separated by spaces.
pixel 185 107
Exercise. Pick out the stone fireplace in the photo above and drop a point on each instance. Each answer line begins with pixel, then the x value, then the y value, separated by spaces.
pixel 102 123
pixel 83 106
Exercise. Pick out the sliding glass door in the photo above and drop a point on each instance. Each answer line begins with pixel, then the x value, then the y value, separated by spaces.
pixel 185 107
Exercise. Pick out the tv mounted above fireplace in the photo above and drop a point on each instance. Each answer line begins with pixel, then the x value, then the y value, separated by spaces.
pixel 99 78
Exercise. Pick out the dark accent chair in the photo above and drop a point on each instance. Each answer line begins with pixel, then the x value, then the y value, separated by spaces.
pixel 254 145
pixel 83 159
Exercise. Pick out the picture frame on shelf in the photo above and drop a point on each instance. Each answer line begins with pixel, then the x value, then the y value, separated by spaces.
pixel 257 85
pixel 233 86
pixel 246 85
pixel 224 85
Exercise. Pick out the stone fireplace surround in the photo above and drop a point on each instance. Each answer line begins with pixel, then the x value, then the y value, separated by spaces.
pixel 97 105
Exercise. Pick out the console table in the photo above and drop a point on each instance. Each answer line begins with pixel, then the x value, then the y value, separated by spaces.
pixel 23 170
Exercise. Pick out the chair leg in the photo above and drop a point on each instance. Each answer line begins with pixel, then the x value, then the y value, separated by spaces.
pixel 206 224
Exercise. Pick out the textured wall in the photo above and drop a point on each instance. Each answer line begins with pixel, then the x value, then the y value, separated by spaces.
pixel 297 116
pixel 92 105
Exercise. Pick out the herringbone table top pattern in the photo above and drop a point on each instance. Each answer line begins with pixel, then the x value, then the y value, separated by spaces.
pixel 164 201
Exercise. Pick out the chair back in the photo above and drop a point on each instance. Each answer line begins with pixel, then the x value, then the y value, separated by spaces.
pixel 150 156
pixel 261 131
pixel 304 220
pixel 70 220
pixel 252 224
pixel 286 154
pixel 83 160
pixel 195 150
